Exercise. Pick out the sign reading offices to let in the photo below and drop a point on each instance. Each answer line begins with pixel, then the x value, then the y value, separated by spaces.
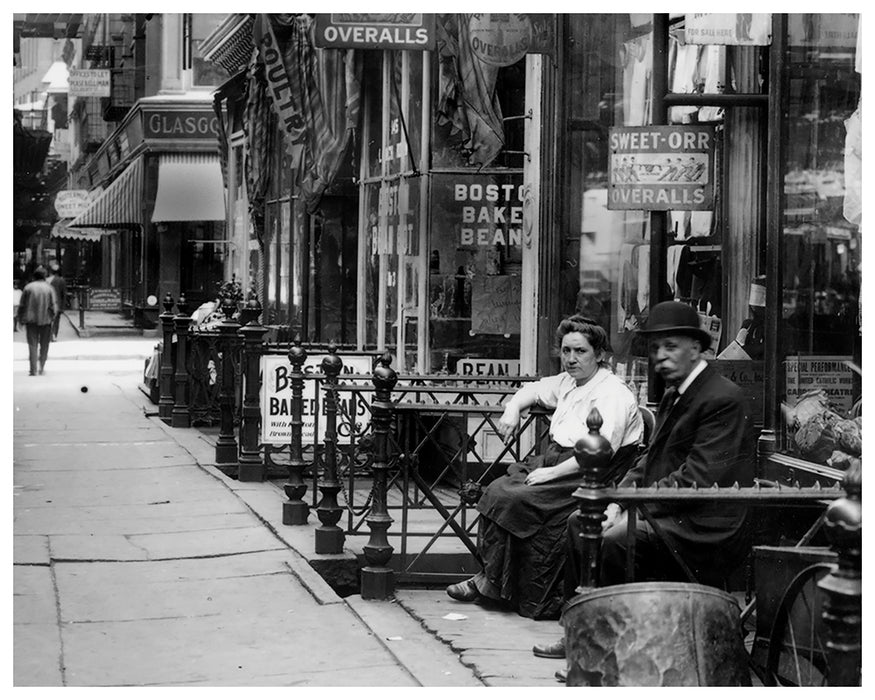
pixel 412 31
pixel 661 167
pixel 83 82
pixel 276 399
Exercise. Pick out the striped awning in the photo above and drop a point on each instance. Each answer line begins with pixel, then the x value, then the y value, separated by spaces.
pixel 62 230
pixel 119 204
pixel 190 188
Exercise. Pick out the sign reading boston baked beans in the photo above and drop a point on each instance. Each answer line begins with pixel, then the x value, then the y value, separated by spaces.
pixel 413 31
pixel 661 168
pixel 180 124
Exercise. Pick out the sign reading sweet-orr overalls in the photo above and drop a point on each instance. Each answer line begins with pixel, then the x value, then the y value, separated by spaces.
pixel 276 400
pixel 661 168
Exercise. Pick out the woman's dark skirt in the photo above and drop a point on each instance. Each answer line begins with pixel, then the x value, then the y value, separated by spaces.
pixel 521 536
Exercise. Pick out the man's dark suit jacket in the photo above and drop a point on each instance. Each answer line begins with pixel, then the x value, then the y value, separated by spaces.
pixel 706 438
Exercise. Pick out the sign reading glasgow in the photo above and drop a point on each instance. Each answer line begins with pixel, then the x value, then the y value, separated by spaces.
pixel 413 31
pixel 180 124
pixel 661 168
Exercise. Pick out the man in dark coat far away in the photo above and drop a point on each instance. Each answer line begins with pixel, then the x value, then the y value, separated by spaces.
pixel 37 312
pixel 703 436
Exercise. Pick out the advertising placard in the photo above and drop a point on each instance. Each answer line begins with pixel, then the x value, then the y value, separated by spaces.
pixel 408 31
pixel 106 299
pixel 71 203
pixel 658 168
pixel 739 29
pixel 827 372
pixel 276 400
pixel 85 82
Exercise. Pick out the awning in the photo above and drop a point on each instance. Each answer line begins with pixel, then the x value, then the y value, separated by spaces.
pixel 119 204
pixel 190 188
pixel 62 230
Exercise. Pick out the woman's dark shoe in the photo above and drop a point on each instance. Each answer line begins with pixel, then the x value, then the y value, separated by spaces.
pixel 562 675
pixel 465 591
pixel 556 650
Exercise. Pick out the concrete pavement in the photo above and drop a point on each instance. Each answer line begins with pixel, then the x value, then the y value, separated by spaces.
pixel 138 562
pixel 134 565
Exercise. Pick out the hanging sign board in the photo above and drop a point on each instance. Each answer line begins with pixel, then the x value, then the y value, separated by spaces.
pixel 658 168
pixel 82 82
pixel 410 31
pixel 503 38
pixel 740 29
pixel 71 203
pixel 276 400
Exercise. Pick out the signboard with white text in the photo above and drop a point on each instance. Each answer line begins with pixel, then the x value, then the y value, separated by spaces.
pixel 658 168
pixel 411 31
pixel 71 203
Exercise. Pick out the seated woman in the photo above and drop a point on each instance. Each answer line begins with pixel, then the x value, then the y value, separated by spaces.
pixel 521 537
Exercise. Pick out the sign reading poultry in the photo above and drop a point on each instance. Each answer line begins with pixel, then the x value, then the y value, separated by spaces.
pixel 659 168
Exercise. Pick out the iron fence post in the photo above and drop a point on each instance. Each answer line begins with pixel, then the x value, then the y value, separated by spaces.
pixel 843 586
pixel 226 443
pixel 593 454
pixel 180 417
pixel 295 509
pixel 378 579
pixel 165 381
pixel 250 465
pixel 329 537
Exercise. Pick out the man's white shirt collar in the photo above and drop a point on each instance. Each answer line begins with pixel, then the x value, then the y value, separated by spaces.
pixel 697 370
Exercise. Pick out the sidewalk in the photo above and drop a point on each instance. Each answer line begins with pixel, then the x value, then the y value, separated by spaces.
pixel 495 645
pixel 135 565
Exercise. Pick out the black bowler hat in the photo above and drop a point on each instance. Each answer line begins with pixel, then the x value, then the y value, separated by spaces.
pixel 677 318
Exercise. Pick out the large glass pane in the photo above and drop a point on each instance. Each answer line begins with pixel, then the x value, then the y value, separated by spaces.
pixel 822 243
pixel 333 288
pixel 475 260
pixel 605 264
pixel 372 74
pixel 371 282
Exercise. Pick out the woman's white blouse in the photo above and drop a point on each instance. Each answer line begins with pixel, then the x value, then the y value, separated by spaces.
pixel 571 404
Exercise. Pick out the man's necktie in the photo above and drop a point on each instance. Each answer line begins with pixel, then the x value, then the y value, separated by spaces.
pixel 665 405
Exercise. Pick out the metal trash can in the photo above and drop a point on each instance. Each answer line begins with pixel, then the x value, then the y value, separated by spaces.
pixel 655 634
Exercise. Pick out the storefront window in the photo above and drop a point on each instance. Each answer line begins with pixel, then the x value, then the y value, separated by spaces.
pixel 820 332
pixel 605 264
pixel 474 269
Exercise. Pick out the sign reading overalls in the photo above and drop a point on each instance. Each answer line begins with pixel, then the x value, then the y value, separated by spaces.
pixel 661 168
pixel 276 400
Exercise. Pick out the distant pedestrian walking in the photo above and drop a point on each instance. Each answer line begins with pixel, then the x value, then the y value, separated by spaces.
pixel 37 312
pixel 16 300
pixel 56 280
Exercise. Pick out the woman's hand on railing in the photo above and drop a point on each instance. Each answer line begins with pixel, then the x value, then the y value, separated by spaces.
pixel 508 423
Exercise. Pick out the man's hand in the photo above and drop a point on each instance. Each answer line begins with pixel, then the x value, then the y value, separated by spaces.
pixel 613 514
pixel 508 423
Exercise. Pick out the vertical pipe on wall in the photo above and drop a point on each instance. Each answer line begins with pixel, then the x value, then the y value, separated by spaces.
pixel 422 335
pixel 767 443
pixel 658 228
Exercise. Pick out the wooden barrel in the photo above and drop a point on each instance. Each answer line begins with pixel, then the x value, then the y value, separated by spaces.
pixel 655 634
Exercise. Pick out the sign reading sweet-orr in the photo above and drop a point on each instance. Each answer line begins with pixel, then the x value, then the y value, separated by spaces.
pixel 661 168
pixel 276 400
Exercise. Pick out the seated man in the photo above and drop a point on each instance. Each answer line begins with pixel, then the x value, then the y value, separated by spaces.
pixel 703 435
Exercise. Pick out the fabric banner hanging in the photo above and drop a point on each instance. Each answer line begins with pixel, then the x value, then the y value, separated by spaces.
pixel 467 97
